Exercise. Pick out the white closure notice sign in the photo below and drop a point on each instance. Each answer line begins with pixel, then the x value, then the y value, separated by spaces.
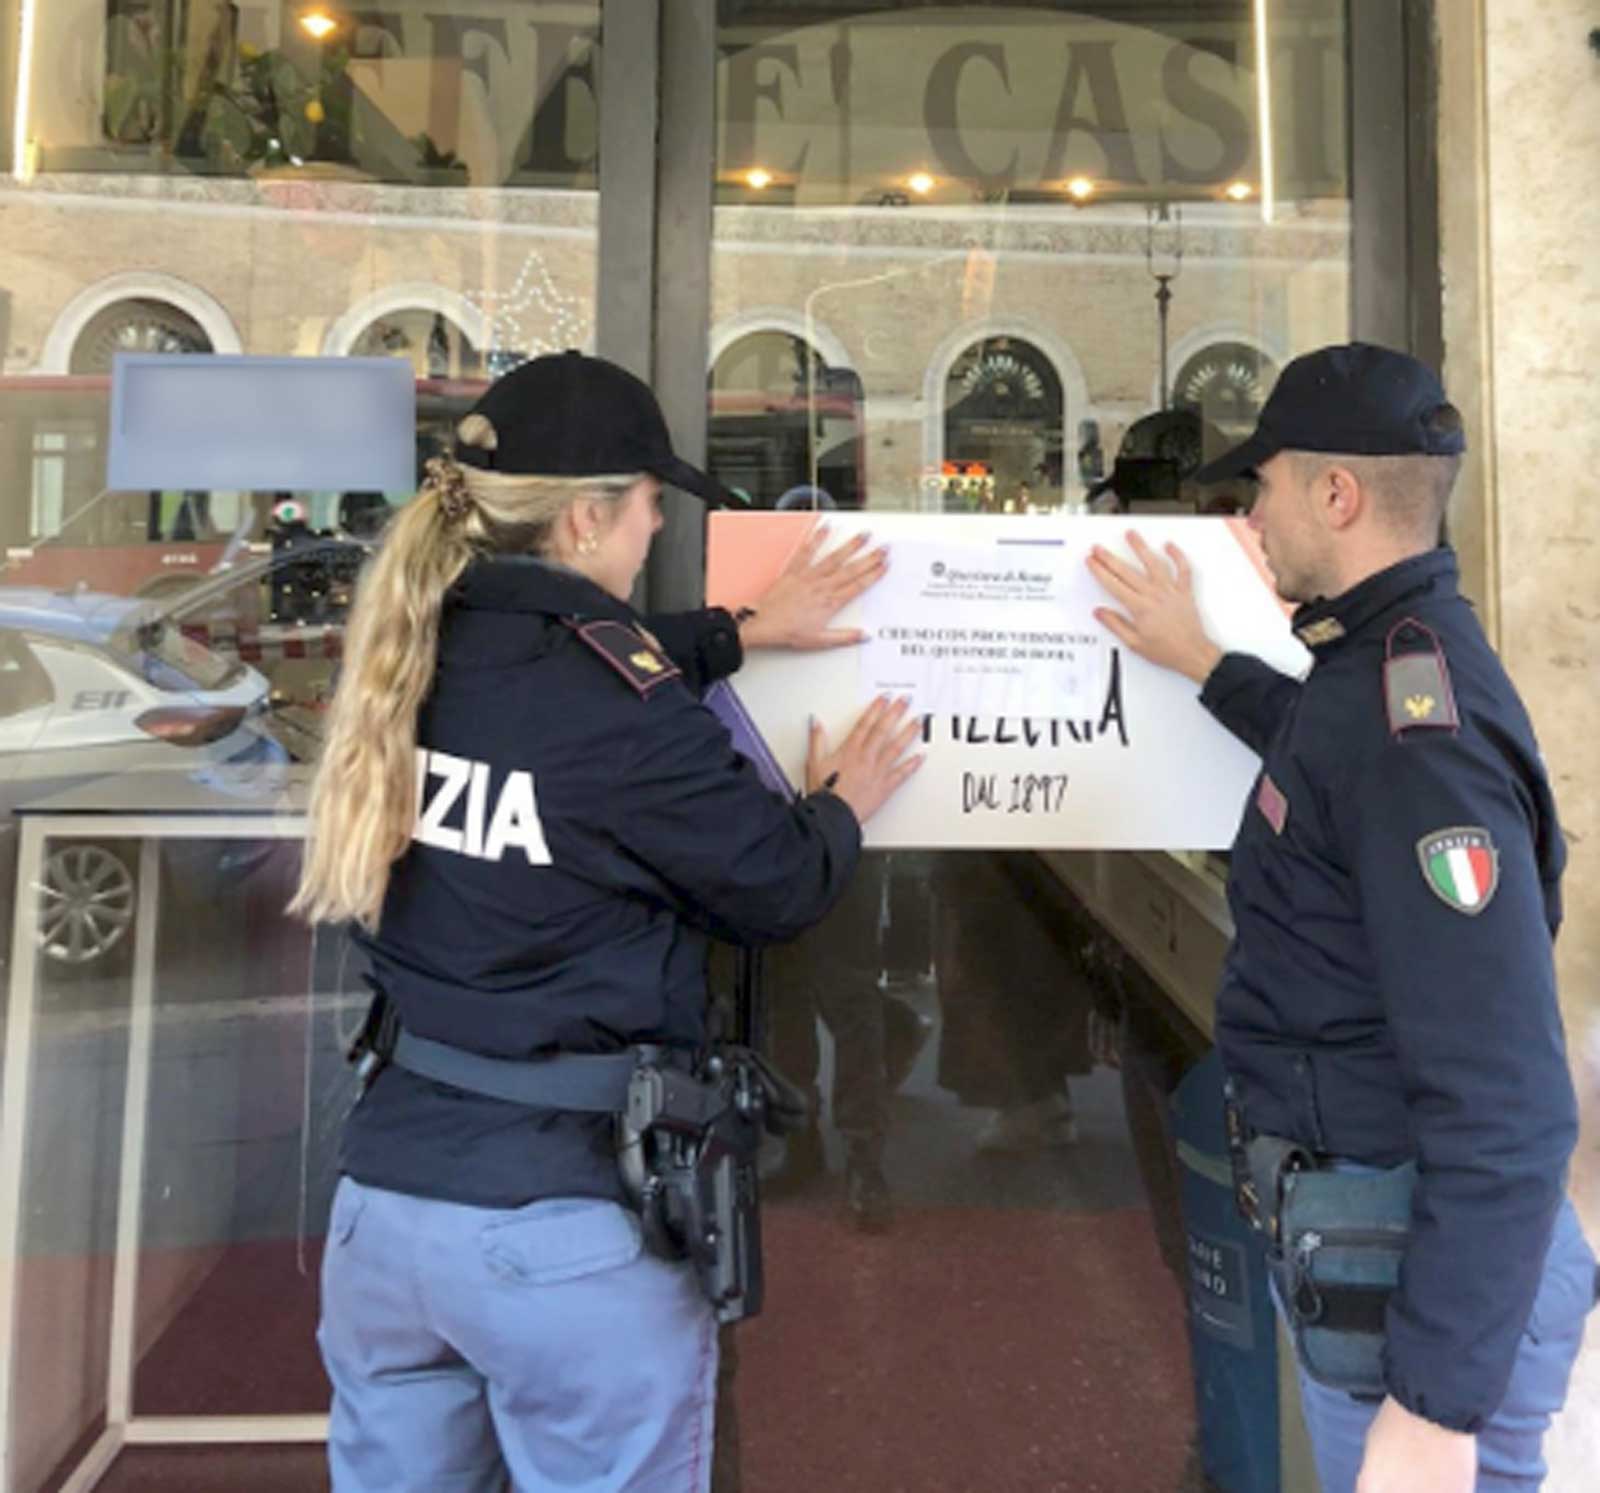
pixel 1040 729
pixel 1006 633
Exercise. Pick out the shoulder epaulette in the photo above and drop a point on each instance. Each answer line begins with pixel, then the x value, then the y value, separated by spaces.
pixel 1416 680
pixel 637 659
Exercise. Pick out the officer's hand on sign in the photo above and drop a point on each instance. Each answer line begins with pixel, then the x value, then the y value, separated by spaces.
pixel 1407 1454
pixel 805 598
pixel 871 763
pixel 1160 621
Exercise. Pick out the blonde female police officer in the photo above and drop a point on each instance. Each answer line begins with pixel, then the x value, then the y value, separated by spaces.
pixel 534 825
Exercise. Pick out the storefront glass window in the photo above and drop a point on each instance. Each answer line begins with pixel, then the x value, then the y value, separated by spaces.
pixel 1125 214
pixel 962 258
pixel 408 180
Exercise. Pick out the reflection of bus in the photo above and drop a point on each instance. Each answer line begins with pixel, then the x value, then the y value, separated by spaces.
pixel 764 444
pixel 61 528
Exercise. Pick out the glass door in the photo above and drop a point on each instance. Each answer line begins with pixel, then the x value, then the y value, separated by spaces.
pixel 1004 260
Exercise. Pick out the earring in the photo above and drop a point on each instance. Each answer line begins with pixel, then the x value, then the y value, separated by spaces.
pixel 588 544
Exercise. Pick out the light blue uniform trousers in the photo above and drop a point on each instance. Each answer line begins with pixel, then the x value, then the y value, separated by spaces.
pixel 538 1349
pixel 1511 1445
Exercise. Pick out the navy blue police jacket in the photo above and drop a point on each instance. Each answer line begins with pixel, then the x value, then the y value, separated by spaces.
pixel 1390 992
pixel 584 825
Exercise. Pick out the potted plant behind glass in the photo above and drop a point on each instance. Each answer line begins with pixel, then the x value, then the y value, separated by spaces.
pixel 436 167
pixel 272 120
pixel 243 109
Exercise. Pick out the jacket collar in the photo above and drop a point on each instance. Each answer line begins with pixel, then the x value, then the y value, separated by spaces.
pixel 1323 625
pixel 524 583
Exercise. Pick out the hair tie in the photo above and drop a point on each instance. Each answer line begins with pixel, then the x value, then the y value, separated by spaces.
pixel 450 483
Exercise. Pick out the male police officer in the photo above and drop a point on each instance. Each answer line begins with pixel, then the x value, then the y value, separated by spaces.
pixel 1390 994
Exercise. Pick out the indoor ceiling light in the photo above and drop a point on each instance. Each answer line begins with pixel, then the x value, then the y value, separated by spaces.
pixel 1080 188
pixel 318 24
pixel 920 183
pixel 1239 191
pixel 758 177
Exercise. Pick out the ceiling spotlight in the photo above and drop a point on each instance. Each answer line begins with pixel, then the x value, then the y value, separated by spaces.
pixel 758 178
pixel 1238 191
pixel 1080 188
pixel 318 24
pixel 920 183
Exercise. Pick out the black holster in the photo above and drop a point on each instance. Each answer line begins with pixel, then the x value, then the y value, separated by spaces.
pixel 687 1147
pixel 369 1052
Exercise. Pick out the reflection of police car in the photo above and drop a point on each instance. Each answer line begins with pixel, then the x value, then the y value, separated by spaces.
pixel 94 686
pixel 282 614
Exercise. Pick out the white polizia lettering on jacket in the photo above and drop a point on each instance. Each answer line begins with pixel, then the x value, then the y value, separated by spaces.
pixel 483 832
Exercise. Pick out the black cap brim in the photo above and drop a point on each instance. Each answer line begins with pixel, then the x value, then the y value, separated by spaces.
pixel 690 479
pixel 1244 457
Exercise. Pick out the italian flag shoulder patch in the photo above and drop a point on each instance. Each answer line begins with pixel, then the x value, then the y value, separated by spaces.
pixel 1461 867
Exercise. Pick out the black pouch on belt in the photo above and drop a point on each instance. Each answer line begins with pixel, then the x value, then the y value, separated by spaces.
pixel 1340 1239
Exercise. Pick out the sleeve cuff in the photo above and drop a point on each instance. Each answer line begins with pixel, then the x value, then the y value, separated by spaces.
pixel 840 817
pixel 1451 1418
pixel 721 651
pixel 1229 672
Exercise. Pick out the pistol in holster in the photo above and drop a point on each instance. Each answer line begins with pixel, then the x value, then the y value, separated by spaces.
pixel 687 1147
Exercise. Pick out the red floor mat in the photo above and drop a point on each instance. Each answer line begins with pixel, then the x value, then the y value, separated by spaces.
pixel 1007 1350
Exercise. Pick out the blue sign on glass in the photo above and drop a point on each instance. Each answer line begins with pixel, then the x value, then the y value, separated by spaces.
pixel 204 420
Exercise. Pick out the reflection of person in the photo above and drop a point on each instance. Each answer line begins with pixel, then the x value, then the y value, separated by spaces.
pixel 362 515
pixel 1091 454
pixel 832 972
pixel 1156 464
pixel 1013 1028
pixel 1390 993
pixel 534 824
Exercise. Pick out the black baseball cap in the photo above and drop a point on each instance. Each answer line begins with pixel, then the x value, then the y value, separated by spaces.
pixel 1356 399
pixel 570 415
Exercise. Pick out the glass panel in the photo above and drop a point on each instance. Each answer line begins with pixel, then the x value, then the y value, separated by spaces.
pixel 172 1105
pixel 228 1236
pixel 965 261
pixel 1003 259
pixel 414 180
pixel 443 94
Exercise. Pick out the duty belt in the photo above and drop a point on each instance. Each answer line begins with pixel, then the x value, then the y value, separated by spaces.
pixel 596 1083
pixel 686 1140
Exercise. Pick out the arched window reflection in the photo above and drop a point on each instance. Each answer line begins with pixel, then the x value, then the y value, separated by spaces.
pixel 1003 419
pixel 785 428
pixel 436 346
pixel 1226 385
pixel 140 325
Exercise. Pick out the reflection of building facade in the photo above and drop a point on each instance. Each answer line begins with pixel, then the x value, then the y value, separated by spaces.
pixel 1063 336
pixel 427 171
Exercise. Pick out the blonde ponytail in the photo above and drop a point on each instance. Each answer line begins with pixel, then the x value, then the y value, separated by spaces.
pixel 363 799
